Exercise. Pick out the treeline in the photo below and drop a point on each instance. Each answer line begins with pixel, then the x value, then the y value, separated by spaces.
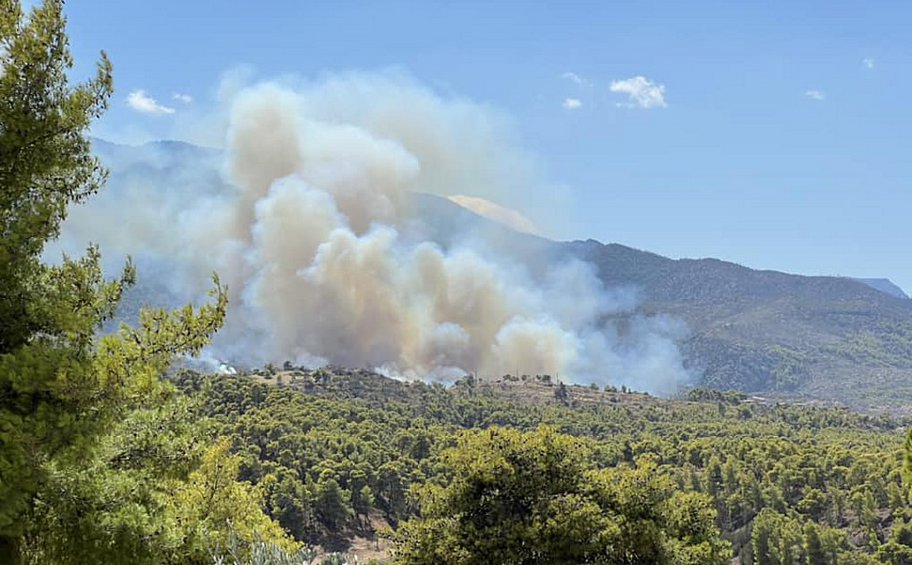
pixel 787 484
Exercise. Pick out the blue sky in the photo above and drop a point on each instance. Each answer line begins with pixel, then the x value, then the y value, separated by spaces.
pixel 776 135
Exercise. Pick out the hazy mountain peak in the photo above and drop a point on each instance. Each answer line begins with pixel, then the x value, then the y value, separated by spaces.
pixel 883 285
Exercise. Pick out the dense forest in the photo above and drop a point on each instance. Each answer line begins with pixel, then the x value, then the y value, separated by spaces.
pixel 111 453
pixel 339 452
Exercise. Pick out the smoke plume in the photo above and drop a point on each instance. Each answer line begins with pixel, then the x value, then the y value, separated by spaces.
pixel 307 214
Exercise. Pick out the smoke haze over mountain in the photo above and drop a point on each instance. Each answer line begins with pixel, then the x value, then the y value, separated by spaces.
pixel 306 215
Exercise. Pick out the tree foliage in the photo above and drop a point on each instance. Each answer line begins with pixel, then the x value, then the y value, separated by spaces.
pixel 797 465
pixel 98 461
pixel 533 498
pixel 48 314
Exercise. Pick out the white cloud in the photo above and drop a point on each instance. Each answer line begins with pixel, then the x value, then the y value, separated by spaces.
pixel 576 79
pixel 815 94
pixel 572 104
pixel 642 92
pixel 142 102
pixel 181 97
pixel 868 63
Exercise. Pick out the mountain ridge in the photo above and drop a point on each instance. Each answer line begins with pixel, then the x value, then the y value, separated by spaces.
pixel 827 338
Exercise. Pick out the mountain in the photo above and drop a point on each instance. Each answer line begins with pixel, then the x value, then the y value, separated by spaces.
pixel 769 332
pixel 831 339
pixel 884 285
pixel 825 339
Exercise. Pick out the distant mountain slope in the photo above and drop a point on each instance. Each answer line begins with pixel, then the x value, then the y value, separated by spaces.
pixel 884 285
pixel 764 332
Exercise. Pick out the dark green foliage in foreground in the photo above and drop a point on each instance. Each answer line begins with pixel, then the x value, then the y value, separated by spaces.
pixel 47 314
pixel 321 441
pixel 101 461
pixel 535 498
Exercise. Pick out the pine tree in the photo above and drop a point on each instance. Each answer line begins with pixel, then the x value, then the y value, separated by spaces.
pixel 48 315
pixel 61 387
pixel 531 498
pixel 813 546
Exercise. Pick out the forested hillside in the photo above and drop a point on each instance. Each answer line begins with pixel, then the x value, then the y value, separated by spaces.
pixel 343 454
pixel 827 338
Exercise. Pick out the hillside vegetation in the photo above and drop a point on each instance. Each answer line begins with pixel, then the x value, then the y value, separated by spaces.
pixel 342 454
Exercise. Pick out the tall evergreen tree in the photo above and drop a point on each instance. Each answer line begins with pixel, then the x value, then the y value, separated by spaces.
pixel 48 315
pixel 67 397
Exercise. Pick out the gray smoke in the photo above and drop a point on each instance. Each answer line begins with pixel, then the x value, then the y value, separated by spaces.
pixel 308 224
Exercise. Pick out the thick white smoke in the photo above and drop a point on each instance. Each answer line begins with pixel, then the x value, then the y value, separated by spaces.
pixel 311 233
